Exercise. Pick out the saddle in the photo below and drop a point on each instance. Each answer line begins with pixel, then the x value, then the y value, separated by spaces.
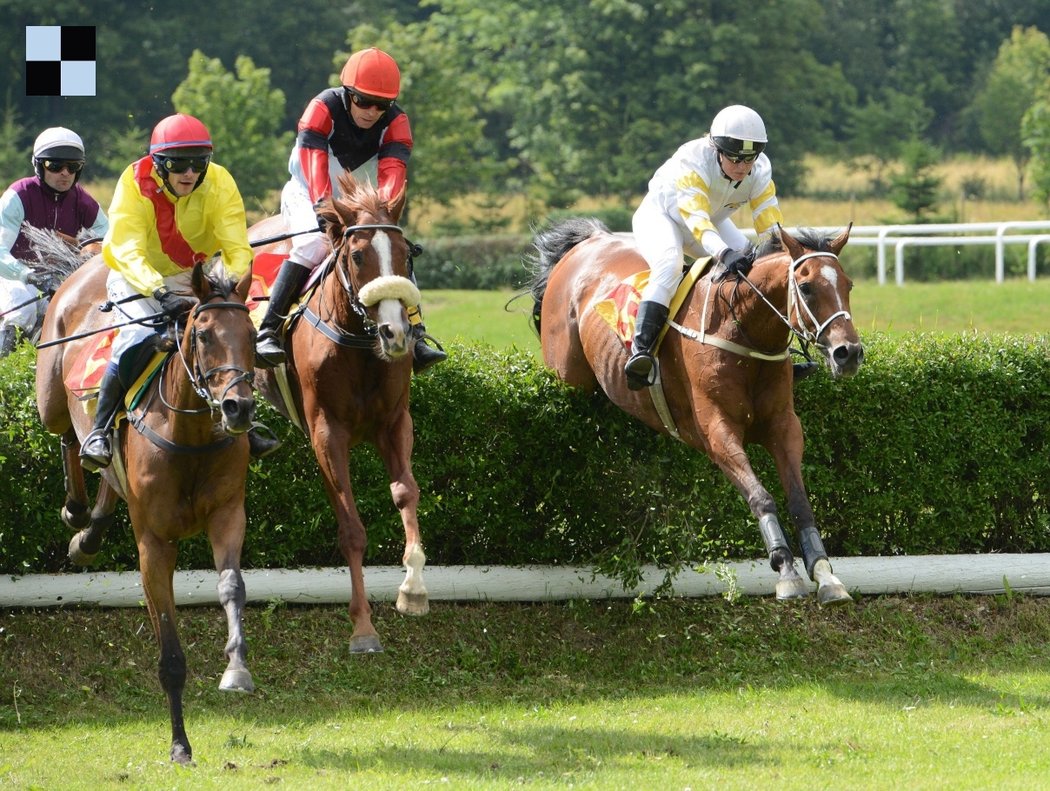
pixel 619 308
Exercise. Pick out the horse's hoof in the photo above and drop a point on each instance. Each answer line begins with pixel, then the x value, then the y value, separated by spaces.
pixel 366 644
pixel 182 755
pixel 77 555
pixel 236 680
pixel 833 594
pixel 412 603
pixel 791 589
pixel 76 521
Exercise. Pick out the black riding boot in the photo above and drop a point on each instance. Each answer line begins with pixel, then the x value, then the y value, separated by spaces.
pixel 423 354
pixel 639 368
pixel 262 441
pixel 95 452
pixel 286 287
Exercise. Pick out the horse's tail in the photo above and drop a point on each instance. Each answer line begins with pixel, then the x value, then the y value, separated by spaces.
pixel 54 257
pixel 551 245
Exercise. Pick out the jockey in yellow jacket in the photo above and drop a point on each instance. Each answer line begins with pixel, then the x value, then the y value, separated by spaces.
pixel 171 209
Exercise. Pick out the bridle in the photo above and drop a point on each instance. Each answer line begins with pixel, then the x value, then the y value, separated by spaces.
pixel 199 380
pixel 360 299
pixel 804 326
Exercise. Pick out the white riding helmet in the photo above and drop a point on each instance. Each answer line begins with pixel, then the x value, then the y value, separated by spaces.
pixel 738 130
pixel 56 143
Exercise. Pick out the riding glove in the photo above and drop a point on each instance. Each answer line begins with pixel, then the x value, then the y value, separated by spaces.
pixel 174 305
pixel 735 262
pixel 42 281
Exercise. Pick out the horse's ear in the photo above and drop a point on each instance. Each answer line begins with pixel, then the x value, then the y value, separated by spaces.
pixel 839 241
pixel 396 205
pixel 199 280
pixel 791 244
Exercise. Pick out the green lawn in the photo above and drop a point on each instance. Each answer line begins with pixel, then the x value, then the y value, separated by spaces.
pixel 893 692
pixel 1016 306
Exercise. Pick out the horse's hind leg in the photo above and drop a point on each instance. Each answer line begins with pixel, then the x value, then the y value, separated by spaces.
pixel 84 546
pixel 396 452
pixel 91 527
pixel 226 547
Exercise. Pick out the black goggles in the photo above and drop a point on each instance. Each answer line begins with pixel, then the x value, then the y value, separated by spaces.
pixel 182 164
pixel 74 166
pixel 368 102
pixel 736 159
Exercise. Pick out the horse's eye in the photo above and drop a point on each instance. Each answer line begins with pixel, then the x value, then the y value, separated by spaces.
pixel 357 257
pixel 204 336
pixel 805 289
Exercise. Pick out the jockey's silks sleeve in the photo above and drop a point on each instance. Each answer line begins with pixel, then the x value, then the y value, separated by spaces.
pixel 315 127
pixel 210 219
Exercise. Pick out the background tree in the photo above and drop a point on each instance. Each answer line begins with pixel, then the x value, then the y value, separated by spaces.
pixel 1012 86
pixel 914 189
pixel 877 132
pixel 243 115
pixel 1035 128
pixel 14 156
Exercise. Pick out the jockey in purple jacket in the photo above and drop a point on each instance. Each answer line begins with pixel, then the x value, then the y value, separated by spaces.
pixel 49 200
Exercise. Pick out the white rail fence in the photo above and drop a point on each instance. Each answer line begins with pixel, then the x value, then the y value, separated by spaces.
pixel 899 238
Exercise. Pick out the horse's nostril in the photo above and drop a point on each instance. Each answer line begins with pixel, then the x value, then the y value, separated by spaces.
pixel 387 331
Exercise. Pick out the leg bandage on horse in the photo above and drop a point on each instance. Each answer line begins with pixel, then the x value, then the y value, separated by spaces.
pixel 773 537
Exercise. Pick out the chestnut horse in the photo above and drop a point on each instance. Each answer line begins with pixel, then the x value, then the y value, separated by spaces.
pixel 348 369
pixel 725 374
pixel 183 467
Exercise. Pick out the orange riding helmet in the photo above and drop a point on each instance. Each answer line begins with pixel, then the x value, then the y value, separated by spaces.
pixel 372 72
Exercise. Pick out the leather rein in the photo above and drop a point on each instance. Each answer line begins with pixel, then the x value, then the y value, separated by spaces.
pixel 799 327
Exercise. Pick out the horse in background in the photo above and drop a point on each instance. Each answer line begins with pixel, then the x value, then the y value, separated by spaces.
pixel 724 375
pixel 347 376
pixel 180 461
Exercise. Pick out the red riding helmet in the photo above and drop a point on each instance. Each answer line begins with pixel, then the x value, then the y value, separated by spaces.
pixel 373 73
pixel 179 131
pixel 179 136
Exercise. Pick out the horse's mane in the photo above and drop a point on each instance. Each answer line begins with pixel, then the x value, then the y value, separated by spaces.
pixel 356 197
pixel 809 238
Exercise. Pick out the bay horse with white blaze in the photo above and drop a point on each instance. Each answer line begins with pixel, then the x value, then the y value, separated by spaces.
pixel 181 468
pixel 348 372
pixel 725 374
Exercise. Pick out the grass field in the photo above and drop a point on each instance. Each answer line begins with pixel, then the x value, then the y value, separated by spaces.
pixel 892 693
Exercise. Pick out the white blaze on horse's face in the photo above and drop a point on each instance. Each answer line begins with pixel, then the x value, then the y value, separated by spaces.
pixel 832 276
pixel 389 309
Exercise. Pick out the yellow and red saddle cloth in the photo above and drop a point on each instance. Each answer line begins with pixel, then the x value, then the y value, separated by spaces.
pixel 619 308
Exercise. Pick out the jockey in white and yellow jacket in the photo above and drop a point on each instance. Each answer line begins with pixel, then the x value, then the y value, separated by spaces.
pixel 688 211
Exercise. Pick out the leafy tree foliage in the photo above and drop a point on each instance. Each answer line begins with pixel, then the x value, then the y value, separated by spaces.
pixel 242 113
pixel 915 189
pixel 878 131
pixel 1012 87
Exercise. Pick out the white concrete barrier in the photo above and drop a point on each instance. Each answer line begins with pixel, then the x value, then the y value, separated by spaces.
pixel 942 574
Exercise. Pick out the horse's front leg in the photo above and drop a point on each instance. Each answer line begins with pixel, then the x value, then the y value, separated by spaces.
pixel 787 455
pixel 396 451
pixel 331 447
pixel 726 449
pixel 157 565
pixel 226 532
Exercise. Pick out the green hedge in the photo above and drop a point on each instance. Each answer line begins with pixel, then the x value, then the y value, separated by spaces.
pixel 939 445
pixel 472 262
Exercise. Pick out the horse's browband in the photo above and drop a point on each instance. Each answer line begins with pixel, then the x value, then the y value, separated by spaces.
pixel 371 227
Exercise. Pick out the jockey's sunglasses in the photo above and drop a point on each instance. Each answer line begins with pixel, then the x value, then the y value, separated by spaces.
pixel 368 102
pixel 736 159
pixel 182 164
pixel 74 166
